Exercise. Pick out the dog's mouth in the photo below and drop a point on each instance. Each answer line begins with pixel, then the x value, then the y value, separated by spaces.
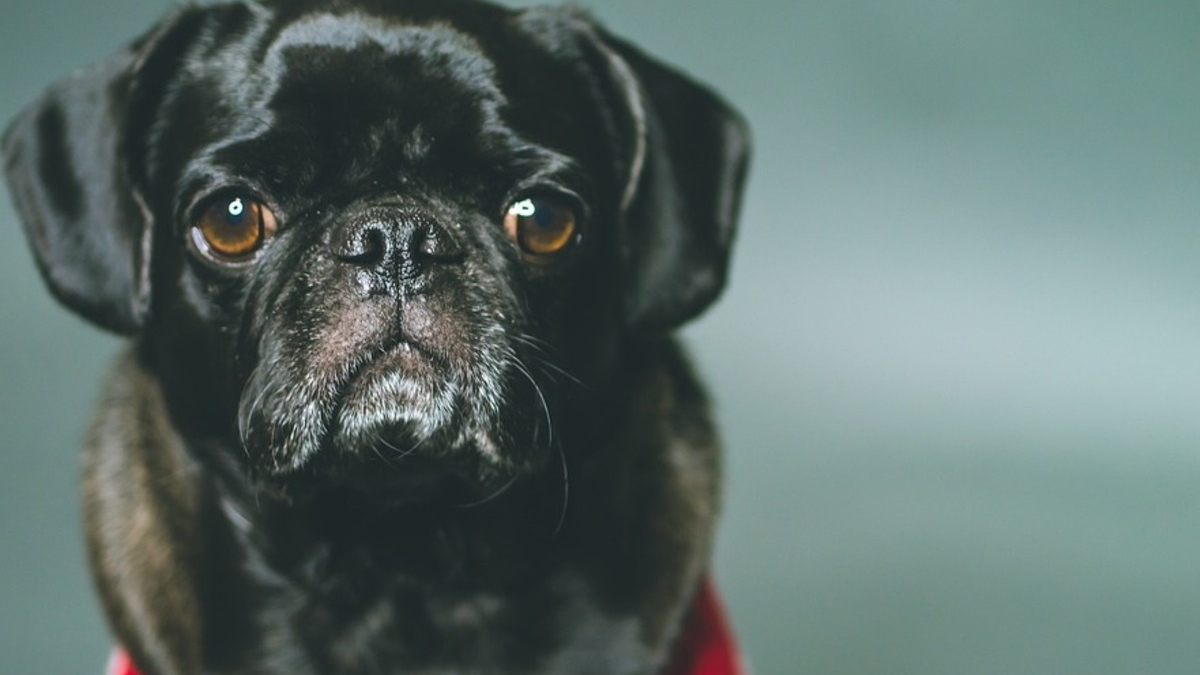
pixel 398 416
pixel 395 400
pixel 400 376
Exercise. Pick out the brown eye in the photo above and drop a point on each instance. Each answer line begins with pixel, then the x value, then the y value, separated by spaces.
pixel 233 228
pixel 541 227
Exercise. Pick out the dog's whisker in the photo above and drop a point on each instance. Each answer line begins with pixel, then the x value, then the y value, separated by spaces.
pixel 243 421
pixel 543 352
pixel 566 495
pixel 531 340
pixel 550 365
pixel 537 388
pixel 401 453
pixel 375 448
pixel 386 444
pixel 503 488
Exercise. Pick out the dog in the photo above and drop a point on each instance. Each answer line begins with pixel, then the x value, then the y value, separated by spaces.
pixel 399 280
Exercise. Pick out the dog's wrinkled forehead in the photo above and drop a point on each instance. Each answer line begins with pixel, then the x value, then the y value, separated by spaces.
pixel 354 53
pixel 327 93
pixel 439 44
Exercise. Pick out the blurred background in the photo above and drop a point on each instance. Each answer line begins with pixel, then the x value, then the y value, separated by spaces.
pixel 957 368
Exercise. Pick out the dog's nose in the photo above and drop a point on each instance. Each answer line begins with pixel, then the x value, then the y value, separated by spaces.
pixel 395 244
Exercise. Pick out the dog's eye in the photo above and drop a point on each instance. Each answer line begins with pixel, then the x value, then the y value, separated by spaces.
pixel 541 226
pixel 232 228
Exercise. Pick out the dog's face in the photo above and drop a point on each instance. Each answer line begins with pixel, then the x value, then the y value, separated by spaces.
pixel 376 241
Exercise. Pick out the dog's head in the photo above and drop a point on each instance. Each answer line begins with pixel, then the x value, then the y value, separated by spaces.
pixel 344 233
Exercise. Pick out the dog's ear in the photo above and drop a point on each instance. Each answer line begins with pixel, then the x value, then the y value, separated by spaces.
pixel 684 169
pixel 70 160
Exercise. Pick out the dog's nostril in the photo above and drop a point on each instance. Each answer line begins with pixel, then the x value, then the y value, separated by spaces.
pixel 433 242
pixel 366 245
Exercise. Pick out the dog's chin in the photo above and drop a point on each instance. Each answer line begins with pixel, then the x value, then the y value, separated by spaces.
pixel 421 481
pixel 380 472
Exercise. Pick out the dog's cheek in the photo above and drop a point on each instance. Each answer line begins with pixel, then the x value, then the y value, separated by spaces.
pixel 302 339
pixel 579 313
pixel 191 337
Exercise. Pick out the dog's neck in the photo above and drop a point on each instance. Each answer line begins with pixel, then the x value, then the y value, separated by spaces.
pixel 447 538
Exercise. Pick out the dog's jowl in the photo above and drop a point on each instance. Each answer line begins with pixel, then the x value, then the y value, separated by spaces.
pixel 398 279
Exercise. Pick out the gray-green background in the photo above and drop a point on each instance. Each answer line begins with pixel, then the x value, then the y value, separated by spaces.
pixel 958 366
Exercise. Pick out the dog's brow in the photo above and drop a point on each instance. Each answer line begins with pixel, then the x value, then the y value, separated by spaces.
pixel 347 32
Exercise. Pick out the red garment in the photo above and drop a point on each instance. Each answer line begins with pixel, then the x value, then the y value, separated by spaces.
pixel 706 646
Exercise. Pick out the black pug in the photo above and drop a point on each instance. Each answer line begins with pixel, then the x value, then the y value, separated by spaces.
pixel 399 277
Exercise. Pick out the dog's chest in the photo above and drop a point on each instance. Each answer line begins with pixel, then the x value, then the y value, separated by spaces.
pixel 435 602
pixel 551 628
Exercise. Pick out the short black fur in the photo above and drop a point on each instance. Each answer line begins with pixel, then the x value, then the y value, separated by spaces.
pixel 390 440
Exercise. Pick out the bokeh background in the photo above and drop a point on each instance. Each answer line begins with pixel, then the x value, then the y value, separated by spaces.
pixel 958 366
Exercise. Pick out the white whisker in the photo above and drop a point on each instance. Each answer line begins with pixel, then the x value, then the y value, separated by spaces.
pixel 566 477
pixel 545 406
pixel 504 488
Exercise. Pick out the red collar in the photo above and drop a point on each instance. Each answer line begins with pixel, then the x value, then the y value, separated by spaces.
pixel 706 647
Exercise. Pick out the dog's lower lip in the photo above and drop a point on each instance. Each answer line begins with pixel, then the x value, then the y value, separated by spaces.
pixel 404 355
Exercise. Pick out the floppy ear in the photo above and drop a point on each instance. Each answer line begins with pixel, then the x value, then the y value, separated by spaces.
pixel 685 168
pixel 67 161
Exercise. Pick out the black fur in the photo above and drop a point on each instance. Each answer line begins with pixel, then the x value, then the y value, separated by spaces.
pixel 390 442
